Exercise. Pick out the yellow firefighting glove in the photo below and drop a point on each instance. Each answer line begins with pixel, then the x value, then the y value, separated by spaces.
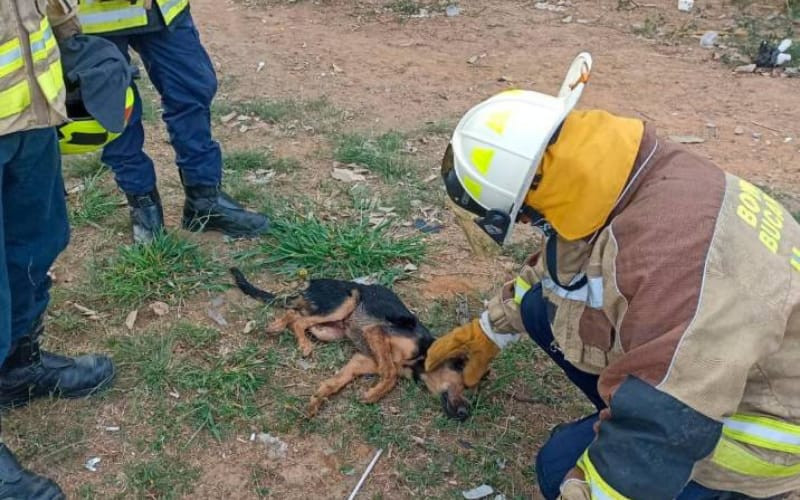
pixel 468 341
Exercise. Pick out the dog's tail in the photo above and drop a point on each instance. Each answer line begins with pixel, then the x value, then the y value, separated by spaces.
pixel 249 289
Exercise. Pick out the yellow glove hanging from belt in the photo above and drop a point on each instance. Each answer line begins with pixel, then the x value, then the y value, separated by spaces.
pixel 468 341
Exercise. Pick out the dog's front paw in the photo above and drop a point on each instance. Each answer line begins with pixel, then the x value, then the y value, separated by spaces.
pixel 306 350
pixel 275 327
pixel 313 406
pixel 370 397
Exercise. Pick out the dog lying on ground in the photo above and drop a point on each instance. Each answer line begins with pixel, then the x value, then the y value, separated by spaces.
pixel 390 340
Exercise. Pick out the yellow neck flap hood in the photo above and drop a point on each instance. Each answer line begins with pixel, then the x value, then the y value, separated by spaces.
pixel 584 172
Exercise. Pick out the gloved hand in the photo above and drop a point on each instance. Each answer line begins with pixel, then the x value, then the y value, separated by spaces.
pixel 467 340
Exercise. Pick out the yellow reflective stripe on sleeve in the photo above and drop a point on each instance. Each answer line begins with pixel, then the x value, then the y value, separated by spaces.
pixel 733 457
pixel 601 490
pixel 15 99
pixel 51 81
pixel 171 8
pixel 521 287
pixel 42 42
pixel 10 57
pixel 104 17
pixel 763 432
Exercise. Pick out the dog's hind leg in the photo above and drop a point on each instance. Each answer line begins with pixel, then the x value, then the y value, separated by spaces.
pixel 281 323
pixel 304 323
pixel 357 366
pixel 381 349
pixel 327 333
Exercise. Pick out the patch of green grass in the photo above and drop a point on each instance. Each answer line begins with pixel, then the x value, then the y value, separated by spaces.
pixel 758 28
pixel 382 155
pixel 93 203
pixel 271 111
pixel 249 160
pixel 170 269
pixel 651 27
pixel 793 7
pixel 413 7
pixel 439 127
pixel 163 476
pixel 214 391
pixel 222 392
pixel 195 336
pixel 796 216
pixel 87 492
pixel 150 354
pixel 81 166
pixel 344 249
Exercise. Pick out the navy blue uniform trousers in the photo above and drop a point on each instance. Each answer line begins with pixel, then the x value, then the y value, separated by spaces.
pixel 184 77
pixel 568 441
pixel 34 228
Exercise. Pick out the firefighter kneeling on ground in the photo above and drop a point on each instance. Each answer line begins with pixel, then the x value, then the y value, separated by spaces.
pixel 667 290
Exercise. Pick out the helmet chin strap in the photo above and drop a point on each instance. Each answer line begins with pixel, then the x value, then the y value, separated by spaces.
pixel 496 223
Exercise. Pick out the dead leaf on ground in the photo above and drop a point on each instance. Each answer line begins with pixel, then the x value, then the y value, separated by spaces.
pixel 89 313
pixel 346 175
pixel 159 308
pixel 130 320
pixel 216 316
pixel 249 327
pixel 687 139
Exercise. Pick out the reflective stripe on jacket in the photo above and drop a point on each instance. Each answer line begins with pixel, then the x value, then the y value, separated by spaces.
pixel 109 16
pixel 32 89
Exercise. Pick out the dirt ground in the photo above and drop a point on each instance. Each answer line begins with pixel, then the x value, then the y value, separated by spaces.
pixel 384 70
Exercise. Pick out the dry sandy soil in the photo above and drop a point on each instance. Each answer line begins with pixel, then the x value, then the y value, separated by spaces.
pixel 380 70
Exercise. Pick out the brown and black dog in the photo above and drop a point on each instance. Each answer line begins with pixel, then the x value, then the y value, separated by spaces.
pixel 391 341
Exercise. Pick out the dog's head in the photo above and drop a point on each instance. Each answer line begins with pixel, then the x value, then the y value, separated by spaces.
pixel 446 382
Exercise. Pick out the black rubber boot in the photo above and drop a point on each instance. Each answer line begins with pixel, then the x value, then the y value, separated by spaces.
pixel 29 372
pixel 210 209
pixel 147 216
pixel 19 483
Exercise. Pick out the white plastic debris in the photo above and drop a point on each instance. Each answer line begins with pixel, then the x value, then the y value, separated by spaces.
pixel 481 491
pixel 784 45
pixel 276 449
pixel 782 59
pixel 708 39
pixel 91 464
pixel 261 65
pixel 452 10
pixel 685 5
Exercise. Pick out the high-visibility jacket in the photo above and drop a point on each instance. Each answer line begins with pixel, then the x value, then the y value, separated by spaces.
pixel 687 306
pixel 32 89
pixel 108 16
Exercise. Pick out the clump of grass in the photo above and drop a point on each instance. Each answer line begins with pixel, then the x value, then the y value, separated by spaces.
pixel 82 166
pixel 161 477
pixel 412 7
pixel 382 155
pixel 169 269
pixel 215 390
pixel 222 392
pixel 344 250
pixel 93 203
pixel 248 160
pixel 439 127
